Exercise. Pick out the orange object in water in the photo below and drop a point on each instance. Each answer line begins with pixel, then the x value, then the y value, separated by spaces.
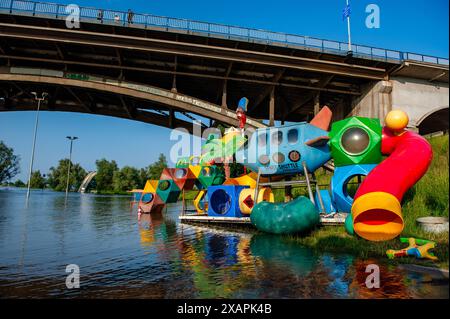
pixel 376 210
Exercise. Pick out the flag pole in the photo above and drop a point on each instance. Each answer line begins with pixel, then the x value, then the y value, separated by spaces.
pixel 348 30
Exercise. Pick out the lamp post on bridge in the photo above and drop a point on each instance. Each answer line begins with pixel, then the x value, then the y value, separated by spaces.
pixel 39 100
pixel 71 139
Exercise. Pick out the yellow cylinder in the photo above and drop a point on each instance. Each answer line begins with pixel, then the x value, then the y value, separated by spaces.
pixel 247 198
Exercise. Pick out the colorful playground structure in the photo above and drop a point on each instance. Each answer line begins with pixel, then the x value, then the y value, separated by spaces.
pixel 288 156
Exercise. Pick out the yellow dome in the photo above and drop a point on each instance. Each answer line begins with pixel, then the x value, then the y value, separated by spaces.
pixel 396 120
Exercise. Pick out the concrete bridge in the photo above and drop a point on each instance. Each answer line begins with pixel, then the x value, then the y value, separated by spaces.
pixel 168 71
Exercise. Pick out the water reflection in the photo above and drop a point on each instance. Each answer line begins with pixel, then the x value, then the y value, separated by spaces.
pixel 157 257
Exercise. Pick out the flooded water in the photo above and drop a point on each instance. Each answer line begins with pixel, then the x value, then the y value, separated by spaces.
pixel 158 257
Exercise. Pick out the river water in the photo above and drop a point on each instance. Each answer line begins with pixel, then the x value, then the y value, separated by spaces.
pixel 158 257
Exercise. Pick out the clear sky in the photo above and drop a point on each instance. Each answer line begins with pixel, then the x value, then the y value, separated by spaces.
pixel 405 25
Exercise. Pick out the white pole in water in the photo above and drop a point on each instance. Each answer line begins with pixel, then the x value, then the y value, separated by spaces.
pixel 71 138
pixel 39 100
pixel 348 29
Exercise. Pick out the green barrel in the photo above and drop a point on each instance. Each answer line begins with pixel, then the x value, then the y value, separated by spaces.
pixel 296 216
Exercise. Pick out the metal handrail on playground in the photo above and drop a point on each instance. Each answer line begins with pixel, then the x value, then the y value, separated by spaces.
pixel 149 21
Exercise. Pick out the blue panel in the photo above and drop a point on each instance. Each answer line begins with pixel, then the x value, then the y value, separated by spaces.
pixel 342 175
pixel 327 202
pixel 223 200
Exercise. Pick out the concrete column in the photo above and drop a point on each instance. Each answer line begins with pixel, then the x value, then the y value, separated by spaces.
pixel 272 108
pixel 375 101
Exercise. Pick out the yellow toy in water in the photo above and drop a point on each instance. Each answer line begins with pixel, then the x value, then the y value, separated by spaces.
pixel 417 247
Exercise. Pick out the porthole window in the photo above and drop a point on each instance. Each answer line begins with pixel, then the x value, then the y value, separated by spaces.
pixel 164 185
pixel 180 173
pixel 355 140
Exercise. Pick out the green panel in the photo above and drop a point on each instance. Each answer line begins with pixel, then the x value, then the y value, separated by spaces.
pixel 362 147
pixel 296 216
pixel 211 175
pixel 168 191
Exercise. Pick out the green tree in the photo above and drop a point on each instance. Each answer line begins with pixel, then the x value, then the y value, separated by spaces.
pixel 19 183
pixel 9 163
pixel 37 180
pixel 105 174
pixel 57 177
pixel 126 179
pixel 153 171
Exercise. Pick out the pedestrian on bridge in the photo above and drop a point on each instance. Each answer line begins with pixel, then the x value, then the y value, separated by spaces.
pixel 130 16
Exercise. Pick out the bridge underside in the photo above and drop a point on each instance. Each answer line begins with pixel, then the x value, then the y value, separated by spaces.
pixel 282 83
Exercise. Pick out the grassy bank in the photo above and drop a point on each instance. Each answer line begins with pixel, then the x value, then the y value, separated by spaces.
pixel 429 197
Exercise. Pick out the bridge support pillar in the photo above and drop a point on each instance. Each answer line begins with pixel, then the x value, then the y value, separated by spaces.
pixel 375 101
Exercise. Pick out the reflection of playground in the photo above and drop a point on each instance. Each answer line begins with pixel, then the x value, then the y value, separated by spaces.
pixel 392 282
pixel 219 263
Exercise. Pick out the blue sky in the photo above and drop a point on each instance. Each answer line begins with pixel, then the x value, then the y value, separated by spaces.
pixel 412 26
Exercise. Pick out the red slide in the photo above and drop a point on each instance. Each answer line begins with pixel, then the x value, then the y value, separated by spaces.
pixel 376 210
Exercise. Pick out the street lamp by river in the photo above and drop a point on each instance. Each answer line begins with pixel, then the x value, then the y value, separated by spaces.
pixel 39 100
pixel 71 139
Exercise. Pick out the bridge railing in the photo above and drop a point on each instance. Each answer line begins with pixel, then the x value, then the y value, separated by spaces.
pixel 116 17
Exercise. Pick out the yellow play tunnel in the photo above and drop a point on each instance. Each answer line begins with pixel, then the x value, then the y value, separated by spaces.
pixel 247 198
pixel 377 216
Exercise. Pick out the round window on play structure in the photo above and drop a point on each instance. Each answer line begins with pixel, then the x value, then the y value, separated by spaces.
pixel 352 184
pixel 264 159
pixel 180 173
pixel 278 157
pixel 206 171
pixel 147 197
pixel 220 202
pixel 294 156
pixel 195 161
pixel 164 185
pixel 355 141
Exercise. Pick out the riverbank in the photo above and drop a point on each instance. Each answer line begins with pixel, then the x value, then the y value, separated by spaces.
pixel 429 197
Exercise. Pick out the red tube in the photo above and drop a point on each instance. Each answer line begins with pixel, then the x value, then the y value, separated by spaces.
pixel 376 209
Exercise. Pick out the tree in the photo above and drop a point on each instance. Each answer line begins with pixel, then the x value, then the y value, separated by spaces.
pixel 19 183
pixel 57 177
pixel 37 180
pixel 126 179
pixel 9 163
pixel 105 174
pixel 153 171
